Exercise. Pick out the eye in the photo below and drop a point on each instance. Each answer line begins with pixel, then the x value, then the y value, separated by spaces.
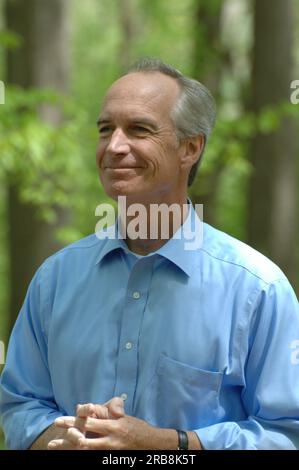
pixel 104 130
pixel 140 129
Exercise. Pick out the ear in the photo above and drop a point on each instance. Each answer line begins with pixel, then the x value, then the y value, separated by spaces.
pixel 192 151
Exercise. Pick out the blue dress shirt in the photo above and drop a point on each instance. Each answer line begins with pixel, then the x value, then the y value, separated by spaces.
pixel 201 340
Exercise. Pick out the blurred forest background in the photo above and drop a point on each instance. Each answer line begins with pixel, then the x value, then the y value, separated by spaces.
pixel 57 58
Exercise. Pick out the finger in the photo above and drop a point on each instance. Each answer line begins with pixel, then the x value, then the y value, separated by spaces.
pixel 74 436
pixel 87 409
pixel 61 444
pixel 94 411
pixel 98 426
pixel 95 425
pixel 99 443
pixel 115 407
pixel 67 422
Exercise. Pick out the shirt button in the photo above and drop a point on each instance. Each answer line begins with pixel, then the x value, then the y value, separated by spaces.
pixel 129 345
pixel 124 396
pixel 136 295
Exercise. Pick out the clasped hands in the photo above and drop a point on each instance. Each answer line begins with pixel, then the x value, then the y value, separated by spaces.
pixel 101 427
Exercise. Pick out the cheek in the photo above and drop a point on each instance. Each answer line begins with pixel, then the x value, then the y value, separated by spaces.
pixel 167 159
pixel 100 152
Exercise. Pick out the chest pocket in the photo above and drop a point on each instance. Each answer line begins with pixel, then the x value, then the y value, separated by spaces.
pixel 182 396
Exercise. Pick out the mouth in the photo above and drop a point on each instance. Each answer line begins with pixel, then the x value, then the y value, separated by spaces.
pixel 122 168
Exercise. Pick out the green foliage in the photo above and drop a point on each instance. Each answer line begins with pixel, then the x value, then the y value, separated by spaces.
pixel 48 162
pixel 269 121
pixel 55 165
pixel 270 118
pixel 9 40
pixel 4 285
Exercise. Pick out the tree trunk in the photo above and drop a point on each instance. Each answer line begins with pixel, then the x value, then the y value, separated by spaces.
pixel 127 26
pixel 41 61
pixel 208 60
pixel 272 200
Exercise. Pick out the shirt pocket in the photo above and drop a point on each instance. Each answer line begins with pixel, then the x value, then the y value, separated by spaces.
pixel 182 396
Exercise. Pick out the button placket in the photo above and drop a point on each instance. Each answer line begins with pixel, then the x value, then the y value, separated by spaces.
pixel 127 365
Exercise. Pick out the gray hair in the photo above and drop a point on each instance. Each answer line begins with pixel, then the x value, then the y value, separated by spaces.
pixel 195 110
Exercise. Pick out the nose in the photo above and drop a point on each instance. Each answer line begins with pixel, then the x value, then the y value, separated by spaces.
pixel 119 143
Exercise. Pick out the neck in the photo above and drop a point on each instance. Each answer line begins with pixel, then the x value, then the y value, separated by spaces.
pixel 147 226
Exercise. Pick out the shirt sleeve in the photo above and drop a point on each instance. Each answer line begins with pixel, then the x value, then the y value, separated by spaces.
pixel 27 403
pixel 271 394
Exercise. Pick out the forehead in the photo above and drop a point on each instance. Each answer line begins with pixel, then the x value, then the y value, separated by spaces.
pixel 152 93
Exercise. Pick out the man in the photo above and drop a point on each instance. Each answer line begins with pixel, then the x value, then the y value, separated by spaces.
pixel 161 347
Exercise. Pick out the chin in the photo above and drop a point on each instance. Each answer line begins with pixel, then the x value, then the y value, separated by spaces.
pixel 120 189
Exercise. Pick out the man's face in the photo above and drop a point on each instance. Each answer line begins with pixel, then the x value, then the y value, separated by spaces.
pixel 138 154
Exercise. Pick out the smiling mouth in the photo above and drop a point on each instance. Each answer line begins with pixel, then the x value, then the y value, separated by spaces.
pixel 118 168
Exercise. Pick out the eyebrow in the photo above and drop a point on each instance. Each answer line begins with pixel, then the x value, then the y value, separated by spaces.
pixel 102 121
pixel 135 120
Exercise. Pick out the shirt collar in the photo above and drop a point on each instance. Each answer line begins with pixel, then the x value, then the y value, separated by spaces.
pixel 181 249
pixel 111 242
